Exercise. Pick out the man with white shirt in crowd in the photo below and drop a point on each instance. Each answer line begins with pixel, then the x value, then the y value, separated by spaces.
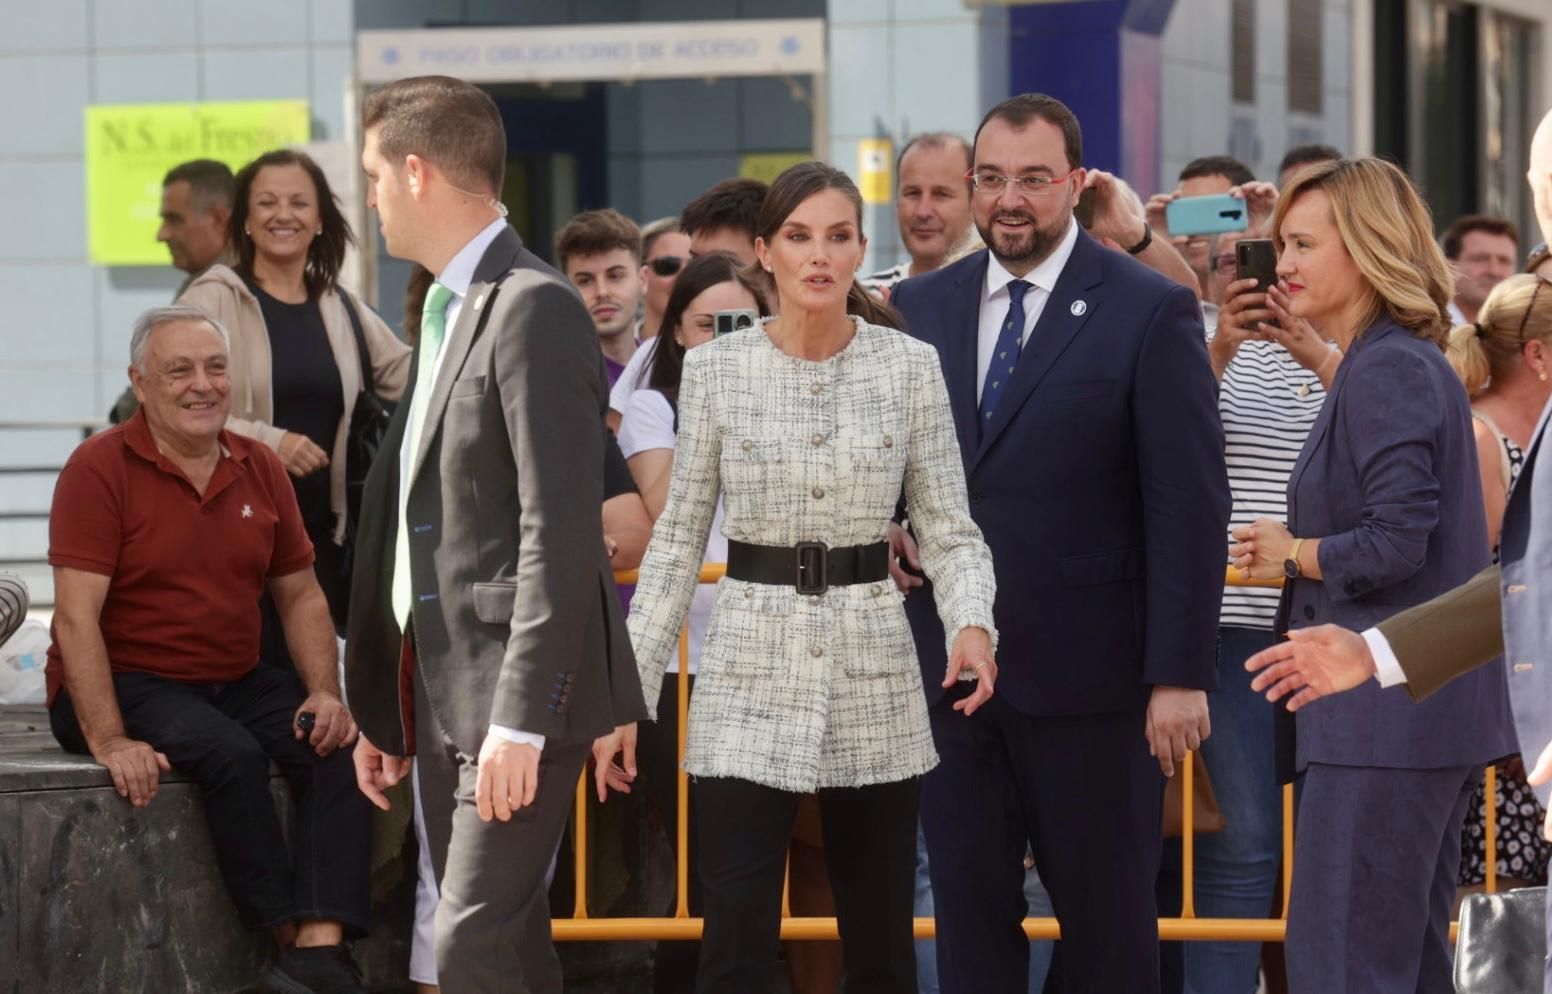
pixel 722 219
pixel 932 204
pixel 1484 251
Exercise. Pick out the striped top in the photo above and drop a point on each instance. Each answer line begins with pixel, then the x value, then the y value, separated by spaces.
pixel 1268 403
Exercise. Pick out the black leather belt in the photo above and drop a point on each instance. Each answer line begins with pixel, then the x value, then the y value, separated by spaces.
pixel 811 567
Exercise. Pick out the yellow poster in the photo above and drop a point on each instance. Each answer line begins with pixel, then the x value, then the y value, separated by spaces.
pixel 875 170
pixel 130 147
pixel 766 166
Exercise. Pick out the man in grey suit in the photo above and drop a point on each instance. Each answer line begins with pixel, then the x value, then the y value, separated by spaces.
pixel 1505 610
pixel 485 634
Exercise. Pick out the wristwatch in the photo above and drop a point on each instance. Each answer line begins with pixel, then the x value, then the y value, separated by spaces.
pixel 1291 565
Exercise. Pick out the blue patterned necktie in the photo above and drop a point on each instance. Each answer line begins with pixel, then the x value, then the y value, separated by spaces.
pixel 1005 355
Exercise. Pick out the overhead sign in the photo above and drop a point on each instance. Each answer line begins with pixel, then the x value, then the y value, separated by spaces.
pixel 641 50
pixel 130 147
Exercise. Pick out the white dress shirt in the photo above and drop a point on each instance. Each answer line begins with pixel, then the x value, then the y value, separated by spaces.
pixel 995 301
pixel 457 277
pixel 1387 668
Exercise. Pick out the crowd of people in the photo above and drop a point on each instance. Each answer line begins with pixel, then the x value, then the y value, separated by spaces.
pixel 975 508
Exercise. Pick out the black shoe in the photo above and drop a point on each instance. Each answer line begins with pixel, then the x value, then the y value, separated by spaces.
pixel 313 970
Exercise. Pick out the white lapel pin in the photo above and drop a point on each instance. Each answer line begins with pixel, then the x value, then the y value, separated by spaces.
pixel 479 301
pixel 1079 308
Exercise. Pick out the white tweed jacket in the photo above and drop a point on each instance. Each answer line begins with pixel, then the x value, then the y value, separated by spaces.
pixel 803 692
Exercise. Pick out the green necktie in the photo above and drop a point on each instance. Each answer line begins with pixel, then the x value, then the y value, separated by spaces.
pixel 433 331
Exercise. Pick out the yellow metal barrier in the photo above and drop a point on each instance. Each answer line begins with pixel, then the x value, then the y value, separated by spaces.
pixel 580 928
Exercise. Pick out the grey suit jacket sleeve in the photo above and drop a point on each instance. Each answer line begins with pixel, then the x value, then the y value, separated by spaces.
pixel 1452 634
pixel 550 382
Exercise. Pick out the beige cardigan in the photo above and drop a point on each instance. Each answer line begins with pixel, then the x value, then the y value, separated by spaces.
pixel 221 293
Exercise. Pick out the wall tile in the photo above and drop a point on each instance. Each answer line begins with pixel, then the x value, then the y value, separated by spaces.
pixel 29 29
pixel 861 97
pixel 943 100
pixel 859 12
pixel 44 204
pixel 71 396
pixel 259 74
pixel 146 77
pixel 332 21
pixel 44 100
pixel 331 68
pixel 159 24
pixel 49 313
pixel 238 22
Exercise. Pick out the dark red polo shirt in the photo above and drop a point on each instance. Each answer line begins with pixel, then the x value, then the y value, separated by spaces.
pixel 187 571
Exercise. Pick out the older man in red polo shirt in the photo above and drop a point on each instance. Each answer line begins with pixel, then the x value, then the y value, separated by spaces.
pixel 163 534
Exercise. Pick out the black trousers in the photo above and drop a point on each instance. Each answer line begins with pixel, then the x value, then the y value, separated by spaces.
pixel 870 850
pixel 1084 794
pixel 224 735
pixel 674 969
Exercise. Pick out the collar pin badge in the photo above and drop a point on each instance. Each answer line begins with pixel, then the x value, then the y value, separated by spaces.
pixel 247 510
pixel 1079 308
pixel 479 301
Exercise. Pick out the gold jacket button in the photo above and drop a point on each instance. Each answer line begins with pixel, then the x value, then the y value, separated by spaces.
pixel 815 651
pixel 819 493
pixel 889 441
pixel 818 440
pixel 816 389
pixel 748 445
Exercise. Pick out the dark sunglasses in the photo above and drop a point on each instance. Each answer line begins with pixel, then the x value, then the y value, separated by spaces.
pixel 666 265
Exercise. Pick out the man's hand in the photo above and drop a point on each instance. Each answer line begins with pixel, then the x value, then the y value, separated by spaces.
pixel 1260 201
pixel 1177 725
pixel 1317 662
pixel 332 724
pixel 508 778
pixel 606 772
pixel 376 771
pixel 902 544
pixel 136 768
pixel 300 455
pixel 972 650
pixel 1115 219
pixel 1155 211
pixel 1540 775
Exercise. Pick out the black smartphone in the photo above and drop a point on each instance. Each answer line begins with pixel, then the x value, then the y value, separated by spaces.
pixel 1084 212
pixel 1256 258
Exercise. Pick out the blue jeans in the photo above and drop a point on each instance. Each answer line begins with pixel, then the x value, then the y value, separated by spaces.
pixel 927 950
pixel 1236 869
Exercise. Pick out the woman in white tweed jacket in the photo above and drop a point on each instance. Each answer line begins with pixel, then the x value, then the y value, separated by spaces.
pixel 811 428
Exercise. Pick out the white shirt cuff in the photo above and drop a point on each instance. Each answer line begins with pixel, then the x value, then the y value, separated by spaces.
pixel 1387 668
pixel 521 738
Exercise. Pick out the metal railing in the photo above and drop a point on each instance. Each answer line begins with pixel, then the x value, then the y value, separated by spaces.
pixel 1188 927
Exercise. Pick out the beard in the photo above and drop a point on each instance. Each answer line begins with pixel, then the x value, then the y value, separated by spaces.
pixel 1027 246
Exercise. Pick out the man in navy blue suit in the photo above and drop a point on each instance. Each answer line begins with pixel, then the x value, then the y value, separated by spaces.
pixel 1087 417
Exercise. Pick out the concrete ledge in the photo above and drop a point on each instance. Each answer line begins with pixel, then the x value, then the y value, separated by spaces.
pixel 97 896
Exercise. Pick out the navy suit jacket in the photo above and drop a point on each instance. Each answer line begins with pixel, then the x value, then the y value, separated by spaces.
pixel 1099 484
pixel 1388 482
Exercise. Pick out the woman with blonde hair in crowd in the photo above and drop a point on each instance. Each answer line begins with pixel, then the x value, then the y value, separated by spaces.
pixel 1384 512
pixel 1505 361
